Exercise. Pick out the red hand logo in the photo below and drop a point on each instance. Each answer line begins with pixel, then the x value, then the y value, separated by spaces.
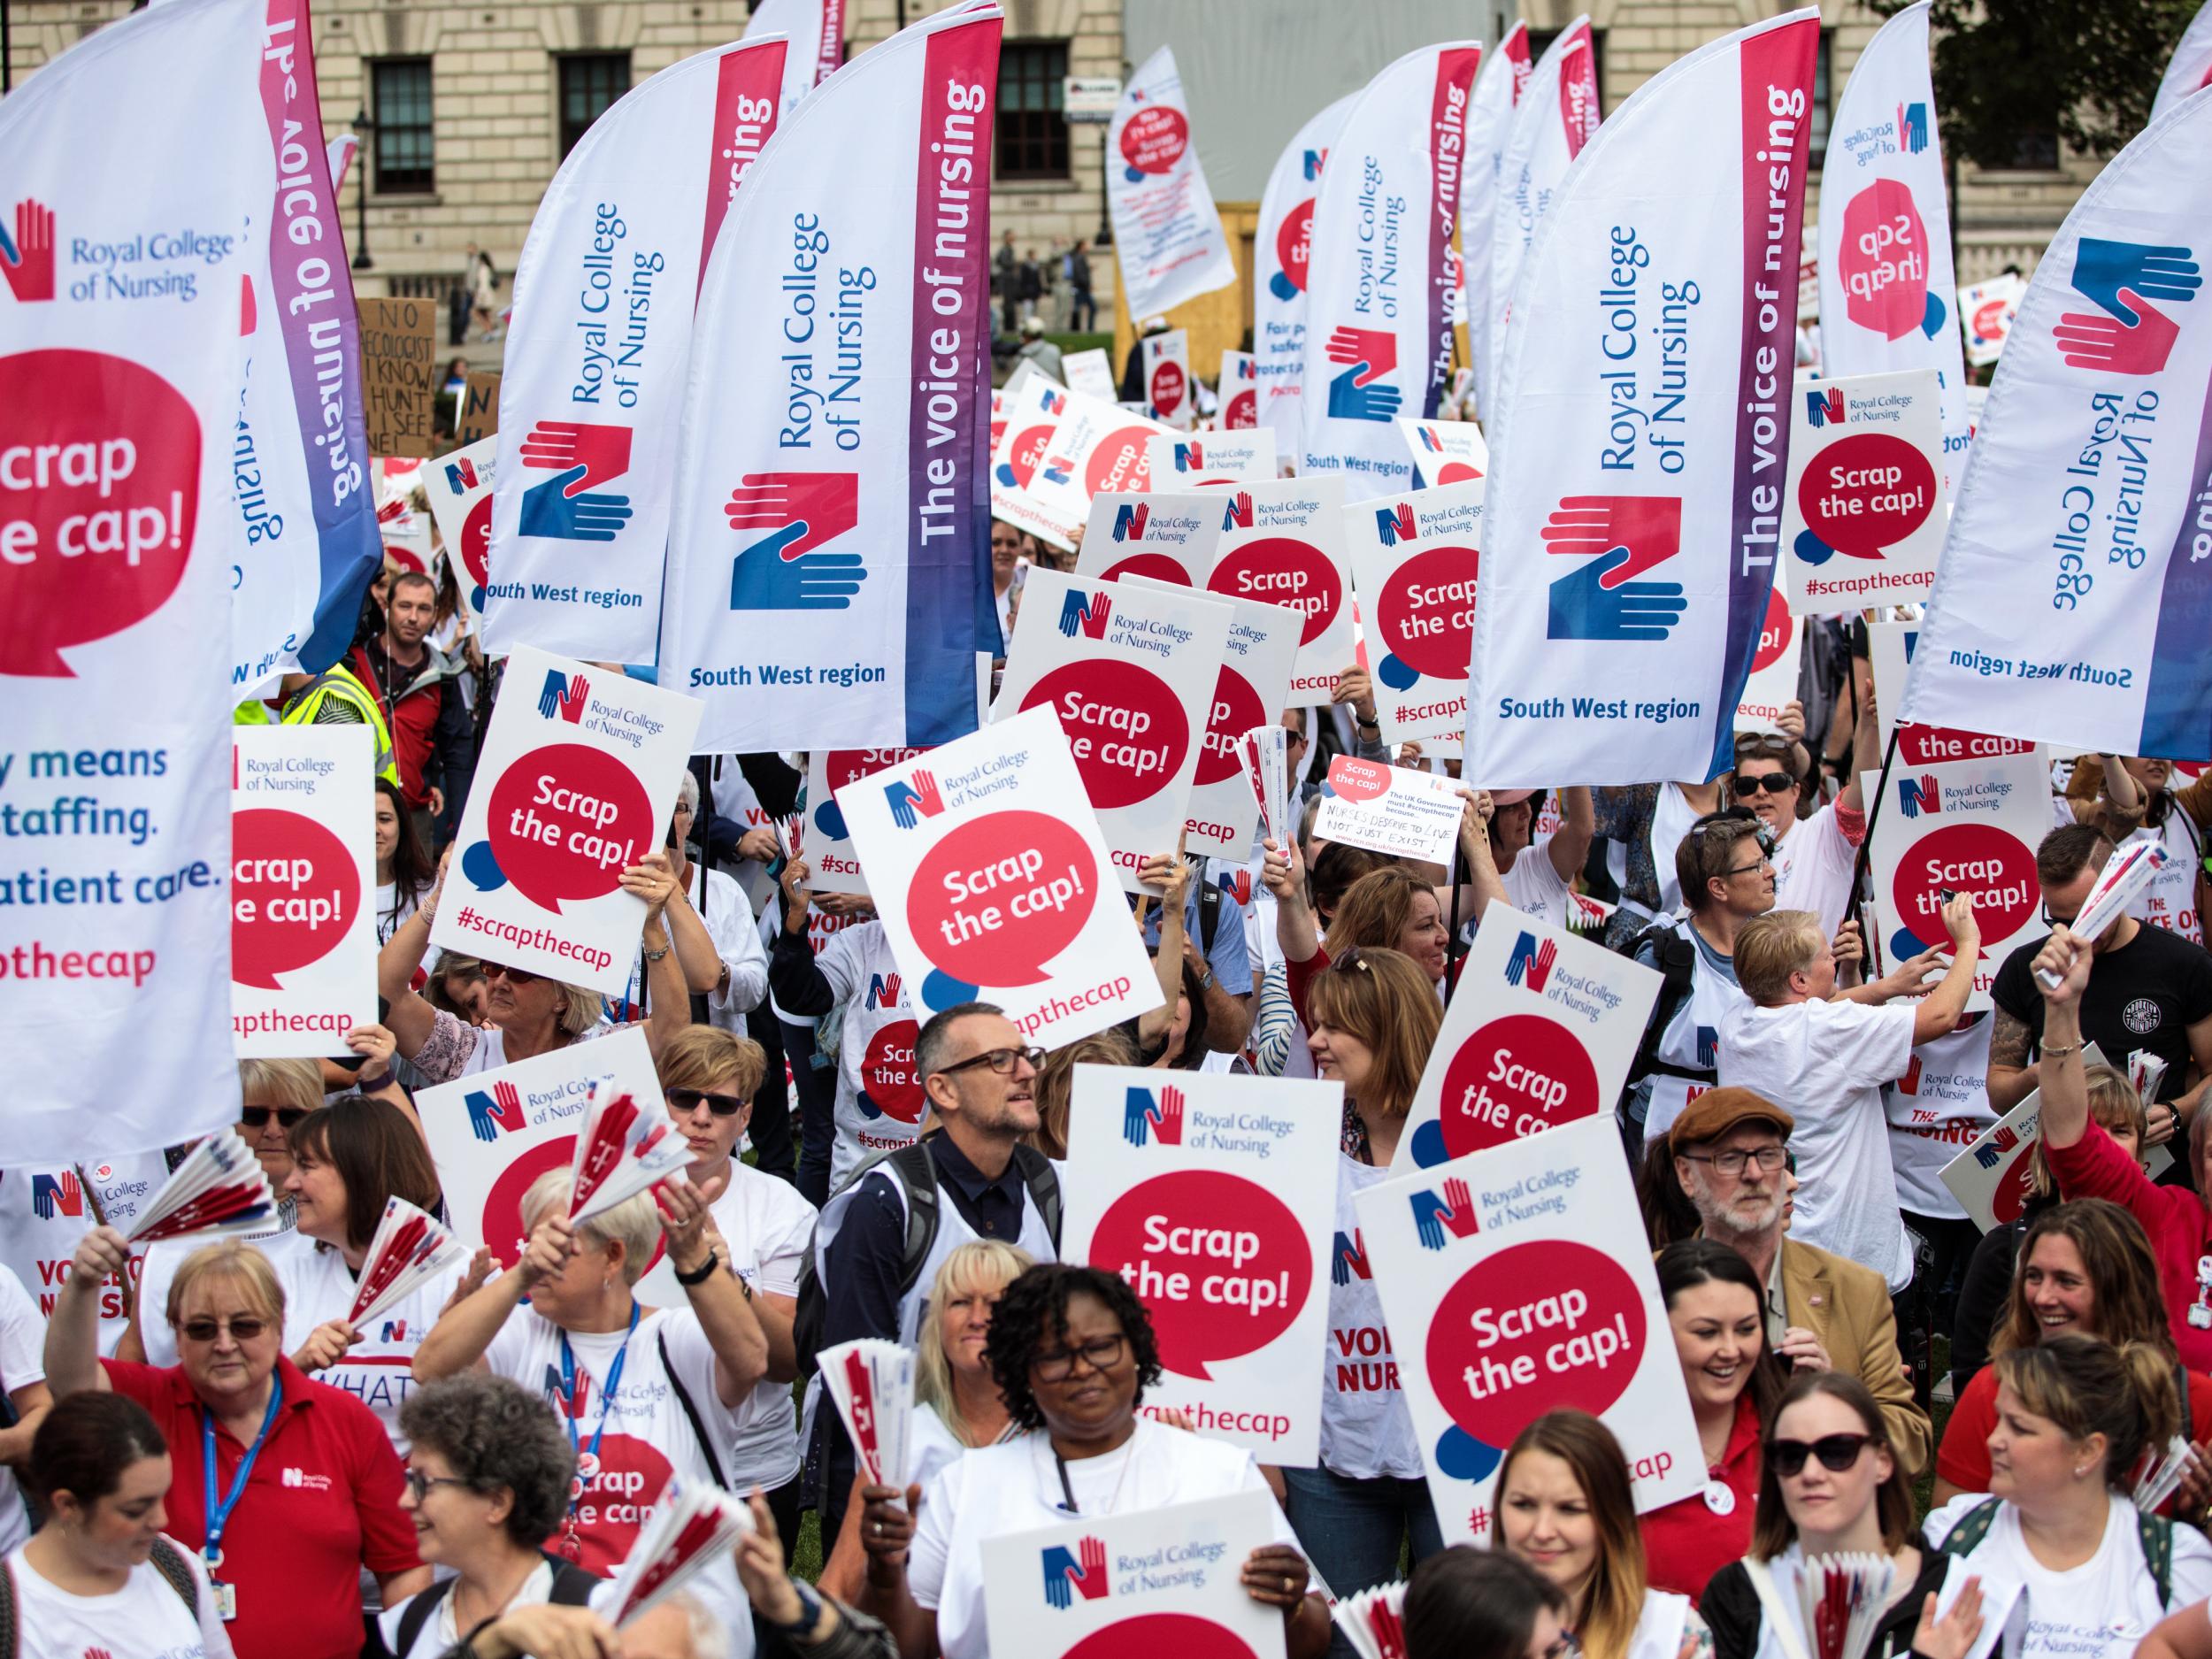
pixel 824 504
pixel 1376 348
pixel 1648 526
pixel 604 452
pixel 28 262
pixel 2094 340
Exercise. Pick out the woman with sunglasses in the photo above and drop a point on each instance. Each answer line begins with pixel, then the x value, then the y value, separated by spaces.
pixel 2075 1418
pixel 528 1014
pixel 277 1094
pixel 487 1476
pixel 285 1487
pixel 1717 1311
pixel 1832 1485
pixel 1564 1507
pixel 2084 1269
pixel 1464 1601
pixel 708 1077
pixel 1073 1352
pixel 1814 856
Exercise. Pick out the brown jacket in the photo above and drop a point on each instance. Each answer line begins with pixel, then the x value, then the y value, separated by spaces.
pixel 1846 1308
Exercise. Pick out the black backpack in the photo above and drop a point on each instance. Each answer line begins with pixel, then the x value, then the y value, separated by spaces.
pixel 572 1588
pixel 1676 958
pixel 2154 1533
pixel 914 1171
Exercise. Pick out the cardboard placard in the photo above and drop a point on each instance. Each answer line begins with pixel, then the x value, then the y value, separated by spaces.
pixel 1863 514
pixel 1170 396
pixel 990 875
pixel 576 781
pixel 1090 373
pixel 1058 449
pixel 1994 1179
pixel 1212 457
pixel 399 373
pixel 1238 392
pixel 1445 451
pixel 1985 312
pixel 1517 1281
pixel 1545 1040
pixel 1167 536
pixel 1282 543
pixel 1413 561
pixel 1390 809
pixel 476 414
pixel 1215 1196
pixel 303 926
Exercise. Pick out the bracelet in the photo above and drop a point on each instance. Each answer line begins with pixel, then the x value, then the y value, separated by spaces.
pixel 369 1084
pixel 699 1275
pixel 2061 1052
pixel 655 956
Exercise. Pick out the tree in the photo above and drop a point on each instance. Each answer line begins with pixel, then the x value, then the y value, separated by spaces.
pixel 2011 74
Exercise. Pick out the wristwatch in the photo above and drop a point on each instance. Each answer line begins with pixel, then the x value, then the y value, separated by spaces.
pixel 700 1274
pixel 1206 979
pixel 810 1612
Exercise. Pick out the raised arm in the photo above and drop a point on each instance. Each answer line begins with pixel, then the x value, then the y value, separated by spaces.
pixel 466 1328
pixel 1570 847
pixel 723 1302
pixel 72 1334
pixel 2060 1072
pixel 408 1017
pixel 1938 1012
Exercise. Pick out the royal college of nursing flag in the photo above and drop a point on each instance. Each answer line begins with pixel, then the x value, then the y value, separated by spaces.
pixel 1887 285
pixel 1166 231
pixel 2190 69
pixel 1282 249
pixel 1550 125
pixel 1635 499
pixel 602 335
pixel 815 31
pixel 2073 600
pixel 829 560
pixel 1504 77
pixel 1379 287
pixel 122 269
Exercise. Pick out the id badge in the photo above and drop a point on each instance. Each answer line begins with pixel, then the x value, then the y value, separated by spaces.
pixel 226 1600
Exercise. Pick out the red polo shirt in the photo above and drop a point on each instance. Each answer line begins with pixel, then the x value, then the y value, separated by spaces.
pixel 322 1502
pixel 2179 1226
pixel 1686 1543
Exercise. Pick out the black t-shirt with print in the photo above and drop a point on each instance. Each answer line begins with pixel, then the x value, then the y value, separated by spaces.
pixel 2144 996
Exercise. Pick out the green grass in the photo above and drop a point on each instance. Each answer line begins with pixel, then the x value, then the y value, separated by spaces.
pixel 806 1553
pixel 1083 342
pixel 1939 1415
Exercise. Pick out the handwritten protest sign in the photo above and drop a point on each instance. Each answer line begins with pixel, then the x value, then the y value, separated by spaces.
pixel 1150 1582
pixel 1545 1039
pixel 1413 558
pixel 1213 1195
pixel 1516 1281
pixel 1390 809
pixel 575 783
pixel 399 371
pixel 1131 672
pixel 1863 514
pixel 303 926
pixel 990 873
pixel 476 416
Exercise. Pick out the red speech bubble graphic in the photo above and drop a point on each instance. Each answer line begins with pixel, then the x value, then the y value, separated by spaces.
pixel 1928 745
pixel 1127 729
pixel 1120 461
pixel 1537 1327
pixel 566 820
pixel 503 1230
pixel 1294 247
pixel 1160 567
pixel 1167 387
pixel 1997 869
pixel 1867 492
pixel 2015 1187
pixel 1515 1077
pixel 1150 1635
pixel 1025 455
pixel 1242 413
pixel 1001 896
pixel 1280 570
pixel 1359 780
pixel 887 1072
pixel 1220 1261
pixel 1884 260
pixel 1426 611
pixel 1236 710
pixel 99 496
pixel 476 540
pixel 1154 139
pixel 295 891
pixel 617 1488
pixel 1775 632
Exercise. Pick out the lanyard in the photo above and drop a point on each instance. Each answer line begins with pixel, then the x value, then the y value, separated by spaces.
pixel 606 1393
pixel 218 1514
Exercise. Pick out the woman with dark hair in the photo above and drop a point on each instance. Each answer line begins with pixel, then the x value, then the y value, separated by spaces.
pixel 1469 1604
pixel 1832 1485
pixel 1564 1507
pixel 1073 1351
pixel 1716 1310
pixel 404 868
pixel 487 1478
pixel 1181 1046
pixel 100 1578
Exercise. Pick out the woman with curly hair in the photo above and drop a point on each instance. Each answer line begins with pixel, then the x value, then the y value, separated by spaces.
pixel 1073 1352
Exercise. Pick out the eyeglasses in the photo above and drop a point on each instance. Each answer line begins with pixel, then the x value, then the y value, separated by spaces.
pixel 686 1100
pixel 243 1329
pixel 1748 784
pixel 420 1484
pixel 258 1117
pixel 1731 1162
pixel 2052 920
pixel 1100 1354
pixel 513 976
pixel 1836 1452
pixel 1764 863
pixel 1000 1061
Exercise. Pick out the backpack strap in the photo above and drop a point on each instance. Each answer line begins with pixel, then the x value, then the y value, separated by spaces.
pixel 572 1584
pixel 418 1613
pixel 1044 1182
pixel 1209 917
pixel 1676 958
pixel 2155 1533
pixel 8 1630
pixel 916 1173
pixel 169 1561
pixel 691 1411
pixel 1965 1538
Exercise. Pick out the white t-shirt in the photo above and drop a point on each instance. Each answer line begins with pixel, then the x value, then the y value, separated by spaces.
pixel 1940 1105
pixel 2098 1611
pixel 1015 1487
pixel 640 1434
pixel 1534 888
pixel 1812 868
pixel 22 1363
pixel 45 1212
pixel 880 1099
pixel 1827 1062
pixel 1365 1428
pixel 768 1227
pixel 145 1620
pixel 440 1634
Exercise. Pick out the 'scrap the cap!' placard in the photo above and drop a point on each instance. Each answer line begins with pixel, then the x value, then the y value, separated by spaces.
pixel 302 924
pixel 990 875
pixel 1215 1196
pixel 1545 1039
pixel 459 486
pixel 576 782
pixel 1390 809
pixel 826 844
pixel 1863 516
pixel 1414 559
pixel 1517 1281
pixel 1057 451
pixel 1282 543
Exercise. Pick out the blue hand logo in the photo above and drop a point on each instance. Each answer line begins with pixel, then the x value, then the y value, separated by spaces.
pixel 761 578
pixel 1583 607
pixel 2102 268
pixel 1350 401
pixel 1913 129
pixel 549 510
pixel 1074 609
pixel 549 699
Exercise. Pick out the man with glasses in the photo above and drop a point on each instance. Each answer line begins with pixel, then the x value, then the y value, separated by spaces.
pixel 2152 990
pixel 1813 859
pixel 1732 1157
pixel 883 1235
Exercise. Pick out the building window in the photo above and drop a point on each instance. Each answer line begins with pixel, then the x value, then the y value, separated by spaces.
pixel 2035 153
pixel 1539 42
pixel 405 139
pixel 589 82
pixel 1031 133
pixel 1823 98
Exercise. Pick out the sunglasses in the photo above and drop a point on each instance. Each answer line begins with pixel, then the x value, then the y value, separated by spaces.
pixel 243 1329
pixel 686 1100
pixel 1100 1354
pixel 513 976
pixel 1000 1061
pixel 257 1118
pixel 1836 1452
pixel 1748 784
